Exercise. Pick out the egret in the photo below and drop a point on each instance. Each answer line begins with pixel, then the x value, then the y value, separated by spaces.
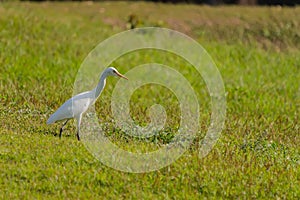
pixel 77 105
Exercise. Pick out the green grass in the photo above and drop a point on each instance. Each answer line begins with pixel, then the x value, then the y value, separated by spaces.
pixel 257 51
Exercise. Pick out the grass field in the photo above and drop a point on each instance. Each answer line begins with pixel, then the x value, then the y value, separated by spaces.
pixel 257 50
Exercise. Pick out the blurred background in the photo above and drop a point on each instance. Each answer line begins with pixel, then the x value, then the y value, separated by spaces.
pixel 218 2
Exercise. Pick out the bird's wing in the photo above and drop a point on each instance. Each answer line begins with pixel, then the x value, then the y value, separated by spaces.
pixel 72 107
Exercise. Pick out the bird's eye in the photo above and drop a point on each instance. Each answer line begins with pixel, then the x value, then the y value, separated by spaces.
pixel 114 71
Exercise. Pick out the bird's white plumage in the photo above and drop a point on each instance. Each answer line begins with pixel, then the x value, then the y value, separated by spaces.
pixel 77 105
pixel 73 107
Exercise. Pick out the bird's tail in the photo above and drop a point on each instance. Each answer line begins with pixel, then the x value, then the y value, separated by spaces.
pixel 51 119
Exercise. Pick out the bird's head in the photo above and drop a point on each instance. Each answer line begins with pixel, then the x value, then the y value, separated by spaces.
pixel 111 71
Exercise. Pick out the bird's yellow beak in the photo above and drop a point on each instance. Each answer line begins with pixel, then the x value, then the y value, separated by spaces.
pixel 122 76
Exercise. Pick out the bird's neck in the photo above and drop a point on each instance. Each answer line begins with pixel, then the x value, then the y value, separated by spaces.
pixel 100 85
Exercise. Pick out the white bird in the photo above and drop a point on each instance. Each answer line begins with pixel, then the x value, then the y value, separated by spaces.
pixel 77 105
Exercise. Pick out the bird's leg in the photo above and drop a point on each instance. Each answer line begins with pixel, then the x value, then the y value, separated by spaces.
pixel 78 127
pixel 78 135
pixel 61 129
